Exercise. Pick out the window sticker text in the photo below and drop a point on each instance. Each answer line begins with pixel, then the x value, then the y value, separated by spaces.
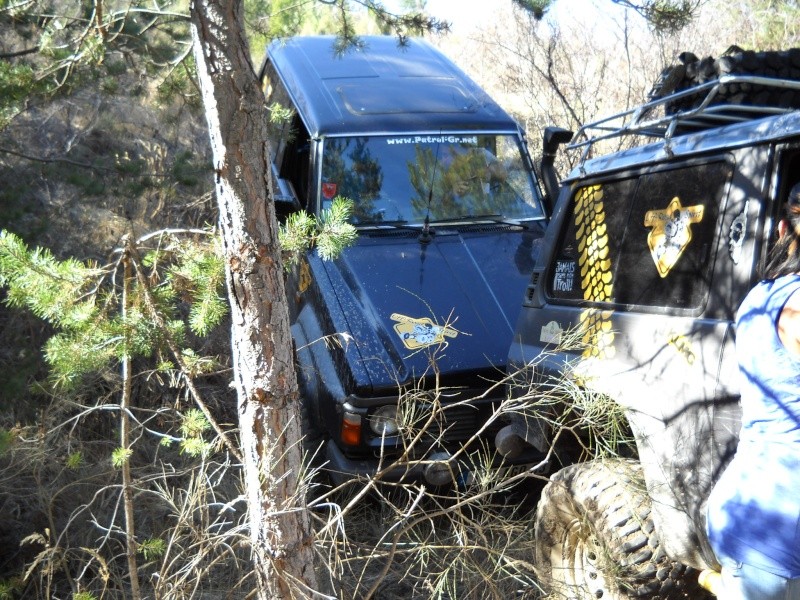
pixel 435 139
pixel 564 277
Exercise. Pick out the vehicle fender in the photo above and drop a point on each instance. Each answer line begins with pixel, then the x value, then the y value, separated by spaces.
pixel 673 407
pixel 319 380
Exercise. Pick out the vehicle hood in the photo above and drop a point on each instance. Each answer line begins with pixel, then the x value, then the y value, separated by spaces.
pixel 452 301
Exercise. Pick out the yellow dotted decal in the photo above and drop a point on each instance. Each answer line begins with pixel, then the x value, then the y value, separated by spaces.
pixel 670 233
pixel 594 263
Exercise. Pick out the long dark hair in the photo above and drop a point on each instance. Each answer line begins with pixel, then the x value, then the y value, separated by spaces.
pixel 784 259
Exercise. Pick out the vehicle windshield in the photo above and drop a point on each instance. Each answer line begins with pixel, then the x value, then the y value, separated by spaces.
pixel 441 177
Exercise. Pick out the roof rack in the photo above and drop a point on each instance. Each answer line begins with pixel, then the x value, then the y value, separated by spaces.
pixel 702 113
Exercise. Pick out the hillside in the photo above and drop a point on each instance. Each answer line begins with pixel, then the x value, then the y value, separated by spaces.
pixel 78 173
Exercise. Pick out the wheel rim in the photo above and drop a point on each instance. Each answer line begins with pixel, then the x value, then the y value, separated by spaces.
pixel 581 567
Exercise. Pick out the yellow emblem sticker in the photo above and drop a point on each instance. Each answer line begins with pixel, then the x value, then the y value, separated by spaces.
pixel 420 333
pixel 670 233
pixel 304 277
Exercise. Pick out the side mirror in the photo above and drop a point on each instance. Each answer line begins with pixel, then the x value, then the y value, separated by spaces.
pixel 284 196
pixel 552 139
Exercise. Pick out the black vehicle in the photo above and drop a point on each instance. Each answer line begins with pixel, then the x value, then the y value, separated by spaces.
pixel 449 216
pixel 648 255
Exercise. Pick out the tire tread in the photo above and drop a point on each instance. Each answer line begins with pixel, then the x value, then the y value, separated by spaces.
pixel 608 496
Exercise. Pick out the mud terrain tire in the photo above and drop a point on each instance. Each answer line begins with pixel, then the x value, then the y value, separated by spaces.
pixel 595 537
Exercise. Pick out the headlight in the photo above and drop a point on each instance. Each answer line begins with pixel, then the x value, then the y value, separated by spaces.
pixel 384 421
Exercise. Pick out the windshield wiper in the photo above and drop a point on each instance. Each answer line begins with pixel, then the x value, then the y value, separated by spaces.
pixel 486 218
pixel 397 224
pixel 376 227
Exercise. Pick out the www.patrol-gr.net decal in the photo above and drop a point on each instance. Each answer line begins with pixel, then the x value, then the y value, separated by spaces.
pixel 420 333
pixel 671 232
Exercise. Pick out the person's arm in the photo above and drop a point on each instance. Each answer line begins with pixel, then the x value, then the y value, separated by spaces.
pixel 789 324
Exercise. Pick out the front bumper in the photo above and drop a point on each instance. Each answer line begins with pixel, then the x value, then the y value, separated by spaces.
pixel 438 469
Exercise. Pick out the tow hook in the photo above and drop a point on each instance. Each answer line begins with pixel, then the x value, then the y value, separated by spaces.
pixel 439 471
pixel 508 441
pixel 518 435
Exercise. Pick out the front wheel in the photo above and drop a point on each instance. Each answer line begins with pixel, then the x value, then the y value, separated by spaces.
pixel 595 537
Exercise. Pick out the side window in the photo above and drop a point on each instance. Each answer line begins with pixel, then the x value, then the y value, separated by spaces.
pixel 788 175
pixel 785 177
pixel 292 153
pixel 295 163
pixel 643 241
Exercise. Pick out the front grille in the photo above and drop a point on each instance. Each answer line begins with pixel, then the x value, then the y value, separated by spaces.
pixel 453 423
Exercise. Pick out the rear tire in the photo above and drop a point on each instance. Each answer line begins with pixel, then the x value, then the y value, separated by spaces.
pixel 595 537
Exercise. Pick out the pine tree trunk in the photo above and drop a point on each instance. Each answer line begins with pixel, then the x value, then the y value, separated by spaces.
pixel 269 416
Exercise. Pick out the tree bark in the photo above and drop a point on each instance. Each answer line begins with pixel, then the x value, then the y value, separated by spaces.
pixel 269 416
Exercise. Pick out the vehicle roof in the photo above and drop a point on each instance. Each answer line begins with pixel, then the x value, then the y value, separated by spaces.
pixel 381 87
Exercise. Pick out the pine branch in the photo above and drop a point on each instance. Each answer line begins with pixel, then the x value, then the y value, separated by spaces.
pixel 158 321
pixel 331 233
pixel 26 51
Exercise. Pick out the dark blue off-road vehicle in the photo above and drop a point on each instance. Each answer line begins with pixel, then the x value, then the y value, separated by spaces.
pixel 420 312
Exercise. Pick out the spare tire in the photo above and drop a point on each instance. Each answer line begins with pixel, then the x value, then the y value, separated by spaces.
pixel 776 64
pixel 595 537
